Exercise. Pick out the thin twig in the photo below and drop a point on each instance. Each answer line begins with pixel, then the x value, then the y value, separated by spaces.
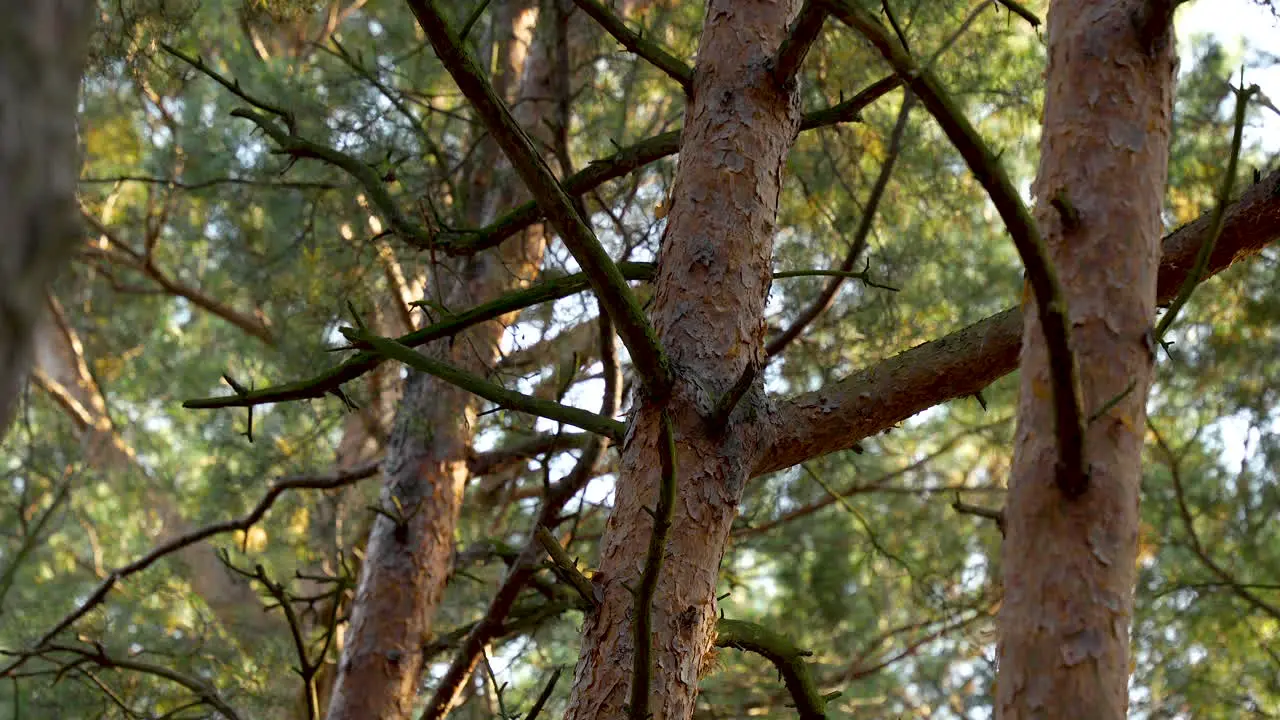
pixel 99 594
pixel 642 635
pixel 1217 219
pixel 820 304
pixel 1188 524
pixel 979 511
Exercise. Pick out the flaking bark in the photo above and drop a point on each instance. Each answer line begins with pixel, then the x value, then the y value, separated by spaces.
pixel 1069 563
pixel 713 278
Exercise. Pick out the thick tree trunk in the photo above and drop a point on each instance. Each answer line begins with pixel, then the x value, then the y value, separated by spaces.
pixel 1069 562
pixel 43 48
pixel 713 278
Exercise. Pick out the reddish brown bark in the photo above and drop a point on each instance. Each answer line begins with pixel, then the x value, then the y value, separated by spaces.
pixel 713 276
pixel 407 560
pixel 1069 562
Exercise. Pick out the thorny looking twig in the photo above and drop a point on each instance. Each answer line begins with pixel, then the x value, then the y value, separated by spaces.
pixel 99 594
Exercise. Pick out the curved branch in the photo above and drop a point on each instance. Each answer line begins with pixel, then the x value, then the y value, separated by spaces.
pixel 784 655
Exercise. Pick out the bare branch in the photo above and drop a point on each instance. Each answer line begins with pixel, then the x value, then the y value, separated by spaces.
pixel 494 621
pixel 606 279
pixel 99 594
pixel 966 361
pixel 785 656
pixel 128 257
pixel 820 304
pixel 637 44
pixel 1188 524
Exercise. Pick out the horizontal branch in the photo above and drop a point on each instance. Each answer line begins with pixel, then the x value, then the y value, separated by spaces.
pixel 960 364
pixel 492 392
pixel 332 379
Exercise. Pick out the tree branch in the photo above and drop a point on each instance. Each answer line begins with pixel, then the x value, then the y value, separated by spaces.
pixel 1216 218
pixel 636 156
pixel 634 42
pixel 99 594
pixel 522 570
pixel 1051 302
pixel 804 32
pixel 966 361
pixel 606 279
pixel 1188 524
pixel 784 655
pixel 820 304
pixel 331 380
pixel 122 254
pixel 577 417
pixel 642 623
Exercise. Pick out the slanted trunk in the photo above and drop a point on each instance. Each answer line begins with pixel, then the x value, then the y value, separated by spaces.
pixel 1069 562
pixel 713 278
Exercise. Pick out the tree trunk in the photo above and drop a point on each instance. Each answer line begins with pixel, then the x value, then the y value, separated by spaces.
pixel 425 471
pixel 43 48
pixel 713 278
pixel 1069 562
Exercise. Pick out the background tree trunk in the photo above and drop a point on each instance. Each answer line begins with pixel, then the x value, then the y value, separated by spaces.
pixel 1069 563
pixel 425 471
pixel 43 48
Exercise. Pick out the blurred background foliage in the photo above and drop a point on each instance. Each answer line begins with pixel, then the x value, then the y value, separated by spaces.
pixel 207 253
